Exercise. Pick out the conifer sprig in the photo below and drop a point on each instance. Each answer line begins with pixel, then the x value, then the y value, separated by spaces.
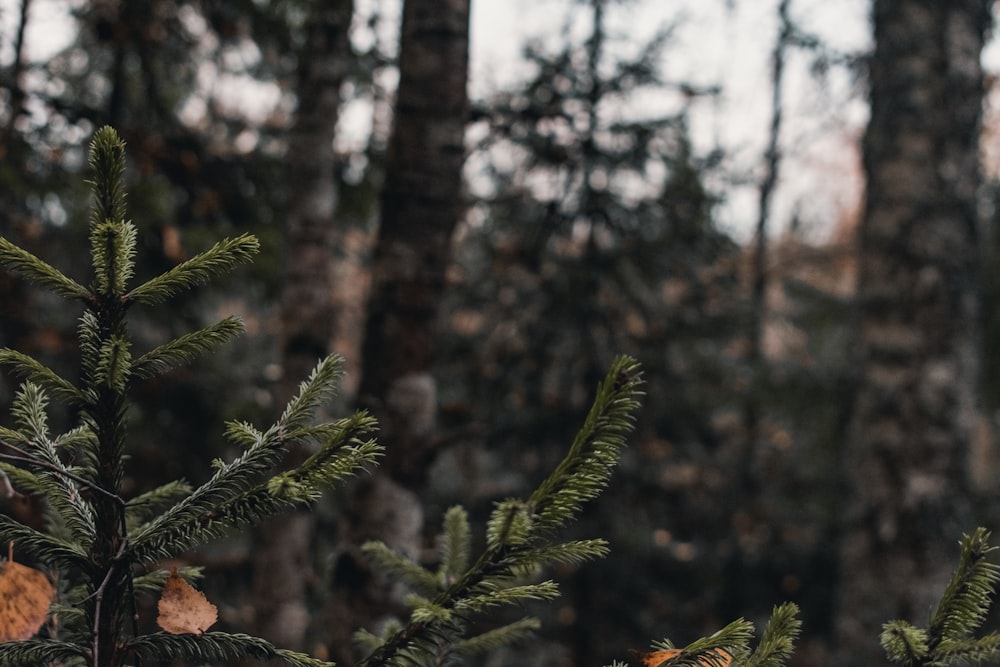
pixel 220 258
pixel 41 652
pixel 246 490
pixel 95 537
pixel 33 370
pixel 216 647
pixel 961 611
pixel 107 163
pixel 778 639
pixel 587 467
pixel 966 601
pixel 186 348
pixel 518 541
pixel 39 272
pixel 734 639
pixel 730 646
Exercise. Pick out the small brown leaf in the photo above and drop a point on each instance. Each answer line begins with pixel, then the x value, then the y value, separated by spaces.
pixel 662 658
pixel 183 609
pixel 25 596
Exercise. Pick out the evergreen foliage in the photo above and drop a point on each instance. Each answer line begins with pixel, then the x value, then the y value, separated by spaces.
pixel 106 548
pixel 518 540
pixel 962 610
pixel 731 644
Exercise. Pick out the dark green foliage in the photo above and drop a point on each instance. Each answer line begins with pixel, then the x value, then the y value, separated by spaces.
pixel 773 650
pixel 518 543
pixel 962 610
pixel 106 547
pixel 99 542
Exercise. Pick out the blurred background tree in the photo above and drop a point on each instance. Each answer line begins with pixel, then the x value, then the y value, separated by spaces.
pixel 596 216
pixel 917 405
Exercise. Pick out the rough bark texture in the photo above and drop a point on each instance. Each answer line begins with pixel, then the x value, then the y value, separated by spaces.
pixel 282 550
pixel 918 308
pixel 420 207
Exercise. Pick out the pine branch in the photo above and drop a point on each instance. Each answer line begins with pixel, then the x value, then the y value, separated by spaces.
pixel 319 387
pixel 455 545
pixel 41 652
pixel 962 610
pixel 574 552
pixel 517 532
pixel 113 243
pixel 28 411
pixel 905 644
pixel 146 506
pixel 497 595
pixel 778 639
pixel 107 163
pixel 734 639
pixel 496 638
pixel 585 470
pixel 230 500
pixel 114 365
pixel 41 547
pixel 217 647
pixel 966 601
pixel 401 568
pixel 187 348
pixel 152 583
pixel 39 272
pixel 220 258
pixel 969 651
pixel 190 522
pixel 26 367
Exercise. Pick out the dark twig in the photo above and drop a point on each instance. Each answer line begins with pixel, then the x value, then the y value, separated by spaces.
pixel 25 457
pixel 99 596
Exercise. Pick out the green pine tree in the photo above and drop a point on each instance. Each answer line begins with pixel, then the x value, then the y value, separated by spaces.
pixel 107 548
pixel 104 547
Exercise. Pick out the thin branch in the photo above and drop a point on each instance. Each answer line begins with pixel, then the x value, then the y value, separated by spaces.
pixel 25 457
pixel 99 597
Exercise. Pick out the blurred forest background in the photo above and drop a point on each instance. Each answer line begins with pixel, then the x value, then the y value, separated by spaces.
pixel 822 372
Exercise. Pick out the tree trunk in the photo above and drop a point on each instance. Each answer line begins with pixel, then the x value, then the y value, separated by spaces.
pixel 282 553
pixel 420 208
pixel 421 205
pixel 918 320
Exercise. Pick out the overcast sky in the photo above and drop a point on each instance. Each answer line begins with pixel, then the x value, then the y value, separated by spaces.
pixel 727 42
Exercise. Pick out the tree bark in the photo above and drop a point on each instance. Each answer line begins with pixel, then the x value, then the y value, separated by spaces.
pixel 281 560
pixel 421 205
pixel 917 320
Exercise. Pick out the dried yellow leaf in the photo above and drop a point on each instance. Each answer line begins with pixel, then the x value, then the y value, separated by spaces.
pixel 183 609
pixel 25 596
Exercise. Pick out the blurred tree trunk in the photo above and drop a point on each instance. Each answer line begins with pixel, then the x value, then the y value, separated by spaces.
pixel 918 308
pixel 420 208
pixel 282 553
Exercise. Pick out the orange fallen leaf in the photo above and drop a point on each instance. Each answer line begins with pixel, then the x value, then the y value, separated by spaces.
pixel 25 596
pixel 183 609
pixel 656 658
